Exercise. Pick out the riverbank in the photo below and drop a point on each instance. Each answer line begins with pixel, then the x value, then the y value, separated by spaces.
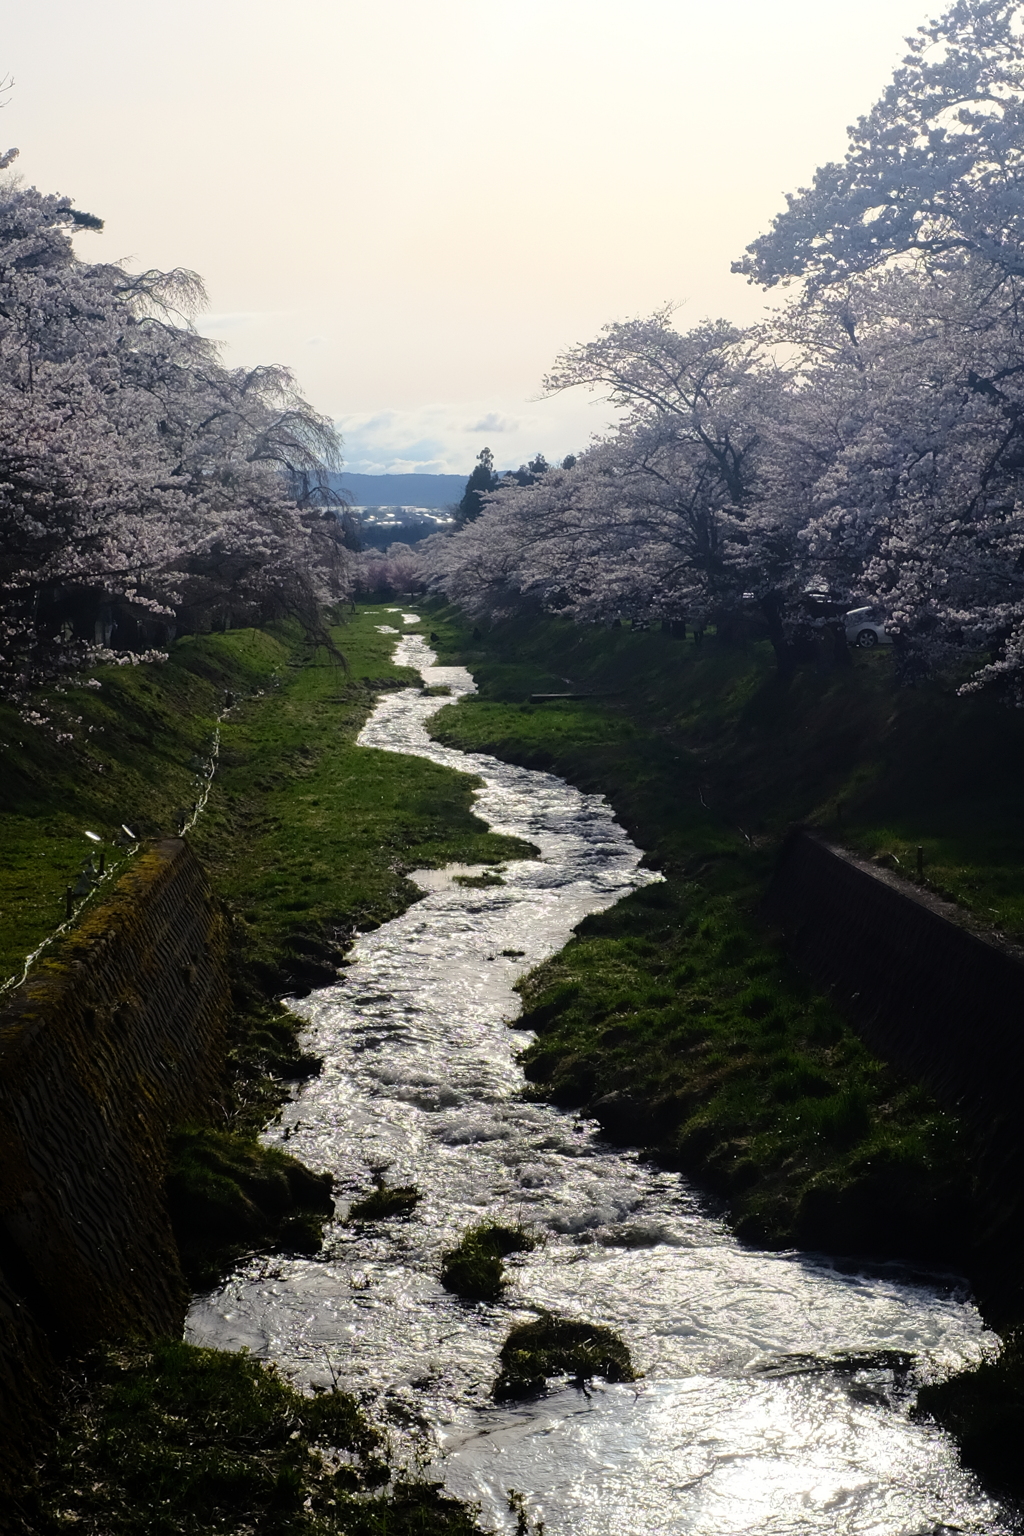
pixel 677 1020
pixel 791 1366
pixel 303 846
pixel 306 842
pixel 705 755
pixel 267 773
pixel 163 1439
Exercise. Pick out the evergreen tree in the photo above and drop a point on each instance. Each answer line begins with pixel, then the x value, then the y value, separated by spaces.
pixel 529 474
pixel 480 483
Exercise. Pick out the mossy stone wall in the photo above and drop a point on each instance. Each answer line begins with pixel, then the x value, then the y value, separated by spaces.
pixel 116 1036
pixel 940 1001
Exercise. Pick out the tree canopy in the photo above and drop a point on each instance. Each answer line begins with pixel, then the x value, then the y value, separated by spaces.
pixel 864 447
pixel 936 169
pixel 144 487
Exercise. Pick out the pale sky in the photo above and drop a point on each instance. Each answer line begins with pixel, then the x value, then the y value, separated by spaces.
pixel 415 204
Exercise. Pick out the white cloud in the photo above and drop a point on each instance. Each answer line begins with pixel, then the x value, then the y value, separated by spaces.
pixel 446 439
pixel 493 422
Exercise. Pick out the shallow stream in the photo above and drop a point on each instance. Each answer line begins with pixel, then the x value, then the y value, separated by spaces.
pixel 751 1416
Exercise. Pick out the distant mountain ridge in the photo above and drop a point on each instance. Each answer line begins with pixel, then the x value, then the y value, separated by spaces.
pixel 400 490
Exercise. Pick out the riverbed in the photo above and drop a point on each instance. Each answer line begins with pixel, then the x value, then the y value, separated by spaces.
pixel 775 1388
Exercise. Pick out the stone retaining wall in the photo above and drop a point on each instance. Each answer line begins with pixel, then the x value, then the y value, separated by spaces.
pixel 928 992
pixel 113 1039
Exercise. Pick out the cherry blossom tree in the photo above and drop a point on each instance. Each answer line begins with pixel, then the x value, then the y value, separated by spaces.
pixel 142 484
pixel 910 255
pixel 909 461
pixel 667 517
pixel 934 171
pixel 396 571
pixel 883 462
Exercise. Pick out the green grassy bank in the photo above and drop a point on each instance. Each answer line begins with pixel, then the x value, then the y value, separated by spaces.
pixel 306 839
pixel 169 1440
pixel 705 755
pixel 676 1018
pixel 305 836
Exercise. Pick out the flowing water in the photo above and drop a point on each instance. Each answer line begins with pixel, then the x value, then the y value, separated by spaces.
pixel 753 1414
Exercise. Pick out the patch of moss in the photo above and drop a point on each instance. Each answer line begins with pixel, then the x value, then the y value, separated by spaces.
pixel 169 1440
pixel 228 1195
pixel 474 1269
pixel 385 1202
pixel 556 1346
pixel 478 882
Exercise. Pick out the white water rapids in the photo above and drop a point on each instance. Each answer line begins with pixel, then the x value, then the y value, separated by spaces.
pixel 726 1433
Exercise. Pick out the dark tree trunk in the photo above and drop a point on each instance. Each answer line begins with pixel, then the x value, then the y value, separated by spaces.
pixel 771 608
pixel 841 653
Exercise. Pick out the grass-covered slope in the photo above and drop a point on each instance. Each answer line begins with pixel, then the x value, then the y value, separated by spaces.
pixel 169 1440
pixel 678 1024
pixel 129 750
pixel 305 835
pixel 675 1018
pixel 703 752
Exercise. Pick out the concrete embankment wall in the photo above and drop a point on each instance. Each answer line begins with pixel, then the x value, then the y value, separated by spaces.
pixel 114 1039
pixel 943 1002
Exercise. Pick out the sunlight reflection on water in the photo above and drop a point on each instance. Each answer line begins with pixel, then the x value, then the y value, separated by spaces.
pixel 723 1434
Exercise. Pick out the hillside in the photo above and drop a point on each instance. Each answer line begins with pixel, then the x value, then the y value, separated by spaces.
pixel 399 490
